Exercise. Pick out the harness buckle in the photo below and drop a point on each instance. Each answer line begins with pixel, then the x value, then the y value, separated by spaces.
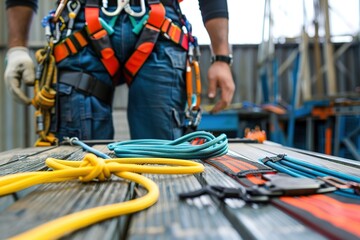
pixel 223 193
pixel 340 184
pixel 276 186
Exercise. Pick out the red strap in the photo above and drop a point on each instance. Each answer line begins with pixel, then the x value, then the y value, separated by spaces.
pixel 146 41
pixel 175 34
pixel 92 19
pixel 100 38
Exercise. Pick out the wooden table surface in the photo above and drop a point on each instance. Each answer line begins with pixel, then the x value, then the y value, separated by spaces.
pixel 170 218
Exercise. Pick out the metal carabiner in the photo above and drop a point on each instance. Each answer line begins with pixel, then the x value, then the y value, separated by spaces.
pixel 73 8
pixel 136 14
pixel 120 5
pixel 190 65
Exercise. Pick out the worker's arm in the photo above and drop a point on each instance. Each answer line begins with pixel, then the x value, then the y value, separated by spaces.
pixel 19 21
pixel 215 17
pixel 19 65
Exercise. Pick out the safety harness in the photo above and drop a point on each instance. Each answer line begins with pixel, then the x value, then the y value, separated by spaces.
pixel 311 201
pixel 95 34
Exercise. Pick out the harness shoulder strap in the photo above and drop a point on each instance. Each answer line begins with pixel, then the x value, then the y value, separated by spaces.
pixel 147 40
pixel 99 38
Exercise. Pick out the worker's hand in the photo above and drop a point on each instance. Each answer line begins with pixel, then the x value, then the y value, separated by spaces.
pixel 19 67
pixel 219 76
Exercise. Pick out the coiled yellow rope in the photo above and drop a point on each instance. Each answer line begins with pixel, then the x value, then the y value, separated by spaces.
pixel 90 168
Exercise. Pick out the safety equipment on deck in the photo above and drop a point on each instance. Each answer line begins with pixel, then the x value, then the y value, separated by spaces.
pixel 347 185
pixel 311 201
pixel 19 65
pixel 275 186
pixel 95 168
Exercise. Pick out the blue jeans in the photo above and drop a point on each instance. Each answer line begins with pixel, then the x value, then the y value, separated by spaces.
pixel 157 94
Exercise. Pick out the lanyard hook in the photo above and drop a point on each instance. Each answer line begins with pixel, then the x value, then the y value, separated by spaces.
pixel 120 5
pixel 133 13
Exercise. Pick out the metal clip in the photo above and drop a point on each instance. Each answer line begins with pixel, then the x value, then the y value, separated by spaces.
pixel 340 184
pixel 276 186
pixel 70 141
pixel 274 159
pixel 73 8
pixel 120 6
pixel 194 117
pixel 223 193
pixel 133 13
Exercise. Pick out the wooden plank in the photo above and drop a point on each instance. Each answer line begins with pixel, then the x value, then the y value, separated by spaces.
pixel 50 201
pixel 171 218
pixel 34 159
pixel 27 160
pixel 19 153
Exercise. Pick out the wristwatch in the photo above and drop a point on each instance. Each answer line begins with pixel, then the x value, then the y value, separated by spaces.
pixel 222 58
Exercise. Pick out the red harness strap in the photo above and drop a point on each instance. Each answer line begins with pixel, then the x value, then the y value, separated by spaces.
pixel 146 40
pixel 175 34
pixel 99 38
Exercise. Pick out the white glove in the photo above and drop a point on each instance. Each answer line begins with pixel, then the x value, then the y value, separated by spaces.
pixel 19 67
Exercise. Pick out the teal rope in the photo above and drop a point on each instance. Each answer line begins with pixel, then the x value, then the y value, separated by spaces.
pixel 178 148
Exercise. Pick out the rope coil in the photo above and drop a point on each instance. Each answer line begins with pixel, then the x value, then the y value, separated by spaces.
pixel 178 148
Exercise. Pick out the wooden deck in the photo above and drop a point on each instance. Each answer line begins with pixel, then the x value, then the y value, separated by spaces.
pixel 170 218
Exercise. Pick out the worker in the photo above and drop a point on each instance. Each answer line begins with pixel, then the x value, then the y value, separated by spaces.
pixel 157 92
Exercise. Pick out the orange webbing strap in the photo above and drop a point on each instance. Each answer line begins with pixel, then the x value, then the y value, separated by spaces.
pixel 70 46
pixel 147 40
pixel 324 213
pixel 99 38
pixel 175 33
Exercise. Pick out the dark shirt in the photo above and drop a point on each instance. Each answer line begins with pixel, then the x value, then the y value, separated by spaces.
pixel 30 3
pixel 209 8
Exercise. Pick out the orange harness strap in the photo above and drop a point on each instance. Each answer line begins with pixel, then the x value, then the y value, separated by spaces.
pixel 99 37
pixel 70 46
pixel 146 40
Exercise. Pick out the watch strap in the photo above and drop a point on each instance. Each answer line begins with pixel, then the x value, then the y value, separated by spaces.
pixel 222 58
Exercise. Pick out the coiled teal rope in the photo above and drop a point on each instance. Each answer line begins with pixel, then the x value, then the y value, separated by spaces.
pixel 178 148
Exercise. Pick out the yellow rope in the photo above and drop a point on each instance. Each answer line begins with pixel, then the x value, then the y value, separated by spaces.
pixel 90 168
